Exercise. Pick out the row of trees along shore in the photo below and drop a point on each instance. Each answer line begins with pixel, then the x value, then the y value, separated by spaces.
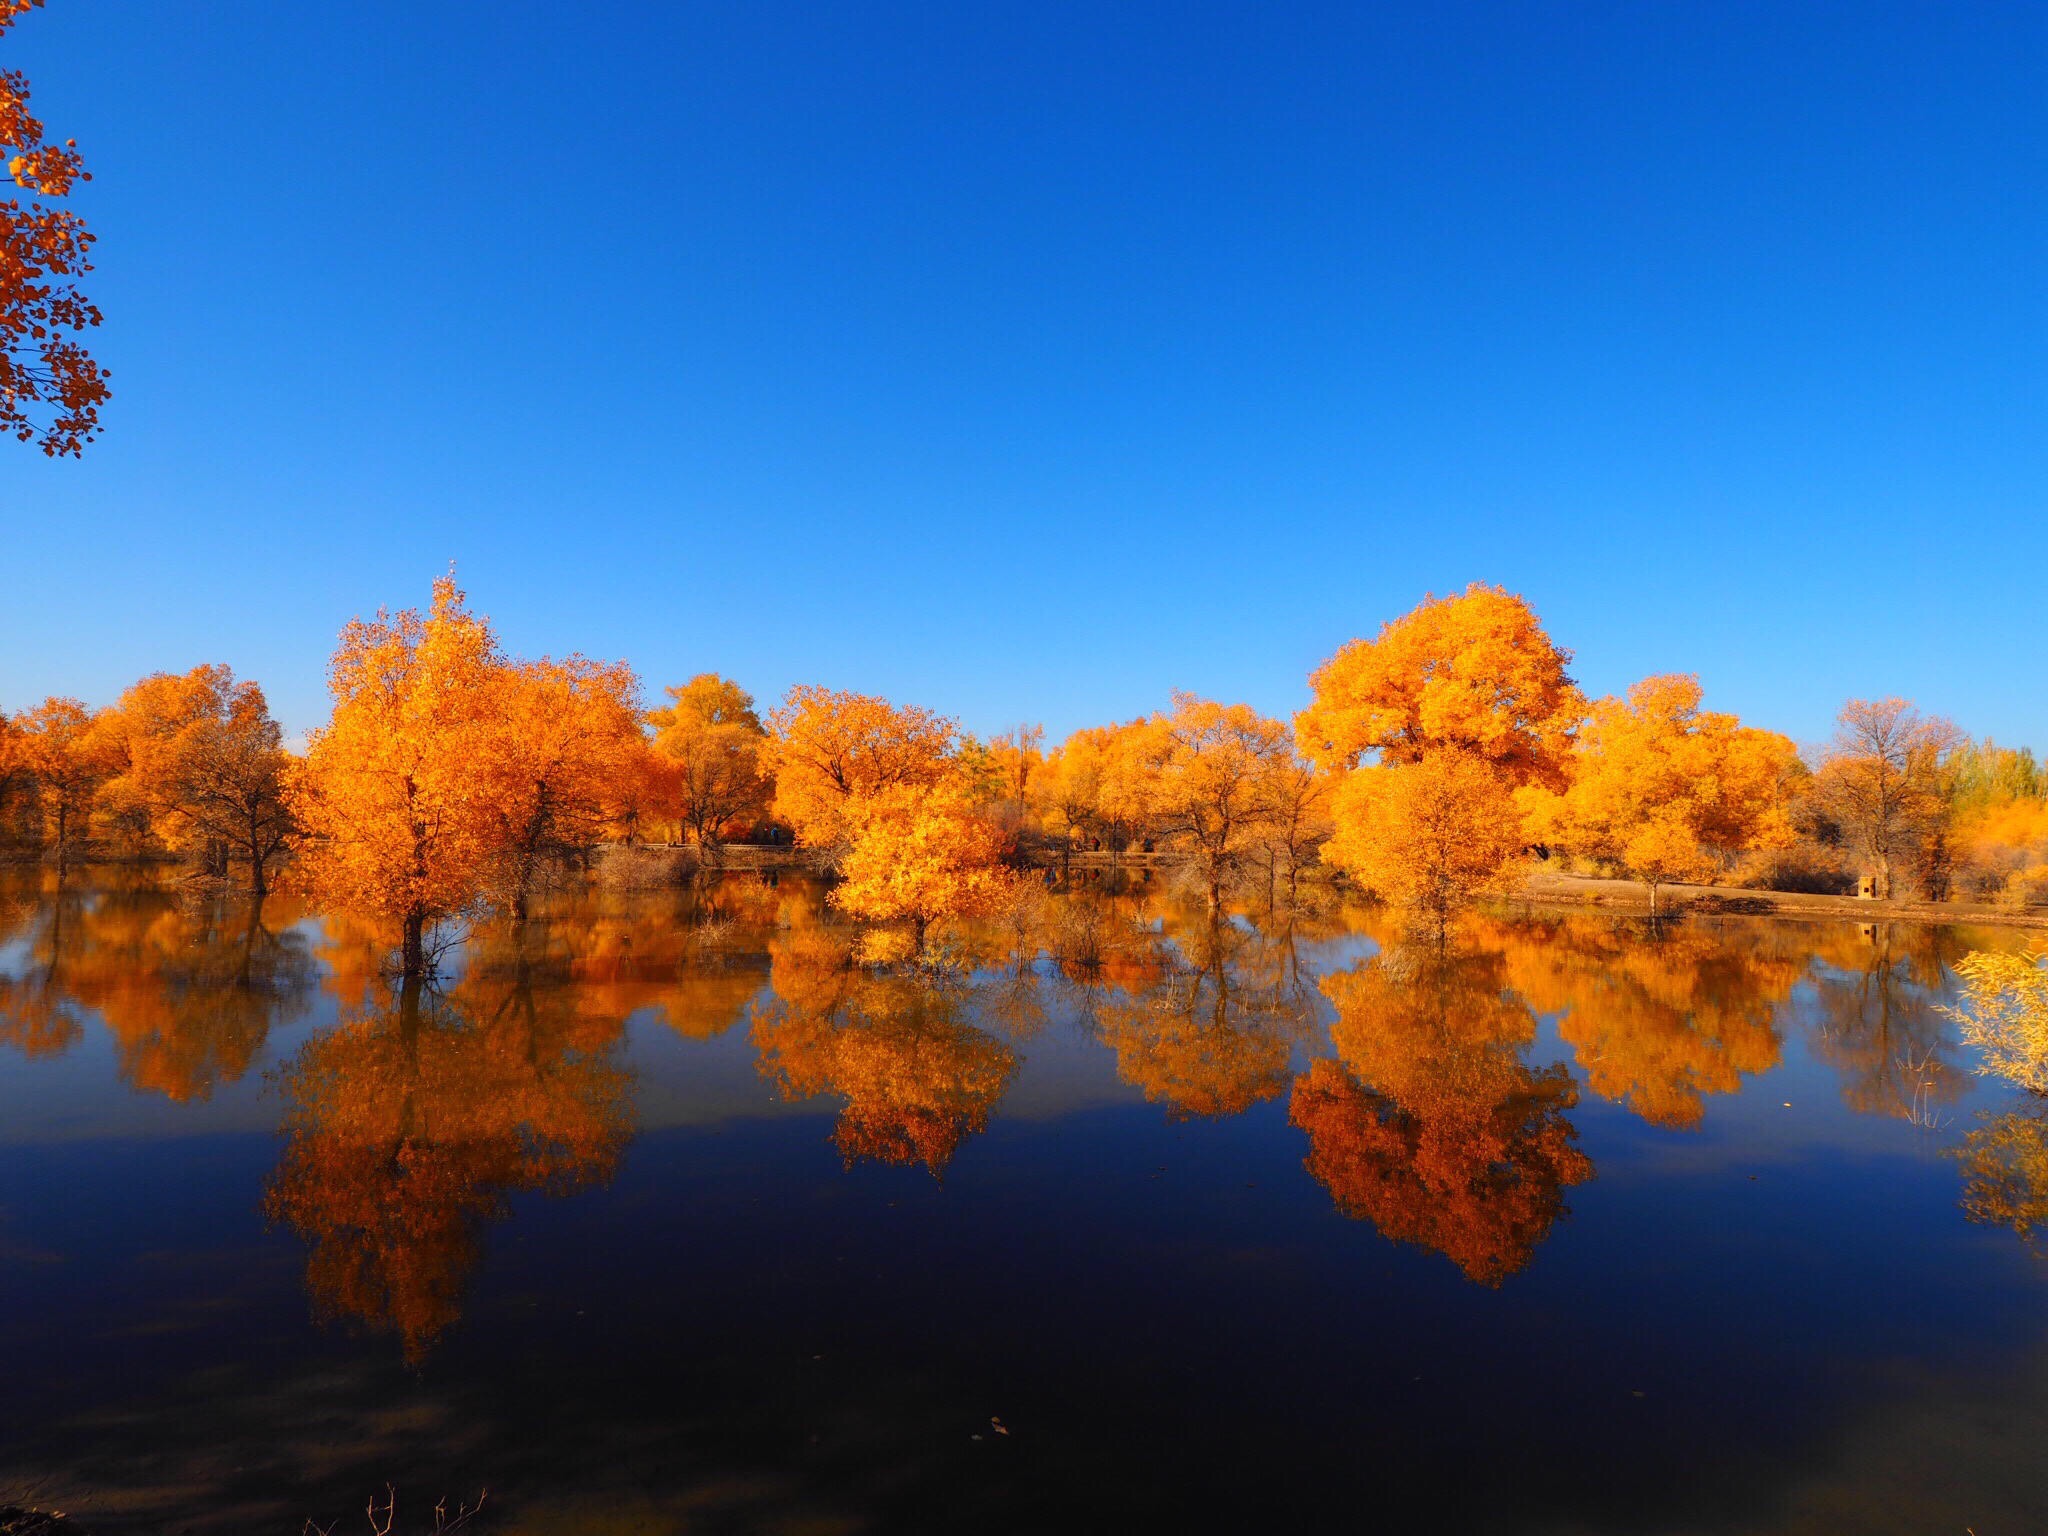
pixel 1436 763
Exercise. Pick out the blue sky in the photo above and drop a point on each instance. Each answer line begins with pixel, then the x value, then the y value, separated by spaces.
pixel 1031 360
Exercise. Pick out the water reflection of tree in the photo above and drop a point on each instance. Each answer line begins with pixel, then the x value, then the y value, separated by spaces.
pixel 1429 1123
pixel 1208 1025
pixel 190 986
pixel 917 1077
pixel 39 1014
pixel 2005 1172
pixel 1659 1017
pixel 1879 1022
pixel 412 1123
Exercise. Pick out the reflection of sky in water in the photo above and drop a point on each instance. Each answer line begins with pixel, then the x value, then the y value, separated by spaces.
pixel 1776 1320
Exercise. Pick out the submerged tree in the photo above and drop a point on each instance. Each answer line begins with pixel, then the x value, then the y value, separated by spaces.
pixel 67 759
pixel 921 854
pixel 388 790
pixel 1428 837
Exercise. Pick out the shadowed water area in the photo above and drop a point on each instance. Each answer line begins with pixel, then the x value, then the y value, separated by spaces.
pixel 660 1212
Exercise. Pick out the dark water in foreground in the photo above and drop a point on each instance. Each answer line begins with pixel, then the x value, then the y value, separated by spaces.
pixel 659 1216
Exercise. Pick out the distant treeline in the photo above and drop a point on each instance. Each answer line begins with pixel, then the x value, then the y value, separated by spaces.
pixel 1434 762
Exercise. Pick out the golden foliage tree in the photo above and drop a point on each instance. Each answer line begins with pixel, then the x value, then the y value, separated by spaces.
pixel 45 371
pixel 921 854
pixel 1214 768
pixel 67 760
pixel 1883 776
pixel 1474 672
pixel 1666 791
pixel 830 749
pixel 204 767
pixel 559 738
pixel 1435 724
pixel 389 791
pixel 716 750
pixel 1429 836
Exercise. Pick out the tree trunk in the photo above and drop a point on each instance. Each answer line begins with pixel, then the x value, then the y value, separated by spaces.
pixel 413 955
pixel 259 886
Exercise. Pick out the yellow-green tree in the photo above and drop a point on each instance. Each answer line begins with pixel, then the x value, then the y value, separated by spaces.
pixel 2003 1012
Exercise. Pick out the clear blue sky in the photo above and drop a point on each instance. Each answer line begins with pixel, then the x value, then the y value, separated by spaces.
pixel 1030 360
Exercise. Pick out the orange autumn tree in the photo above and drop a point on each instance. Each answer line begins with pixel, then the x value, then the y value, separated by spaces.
pixel 560 738
pixel 67 760
pixel 204 768
pixel 398 828
pixel 44 369
pixel 1665 790
pixel 1434 725
pixel 1429 836
pixel 1098 785
pixel 831 748
pixel 1883 778
pixel 921 854
pixel 712 743
pixel 1474 672
pixel 1213 770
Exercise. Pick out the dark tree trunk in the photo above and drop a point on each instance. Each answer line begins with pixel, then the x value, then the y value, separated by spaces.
pixel 413 953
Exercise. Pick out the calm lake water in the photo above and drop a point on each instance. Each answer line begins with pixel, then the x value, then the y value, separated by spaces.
pixel 657 1215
